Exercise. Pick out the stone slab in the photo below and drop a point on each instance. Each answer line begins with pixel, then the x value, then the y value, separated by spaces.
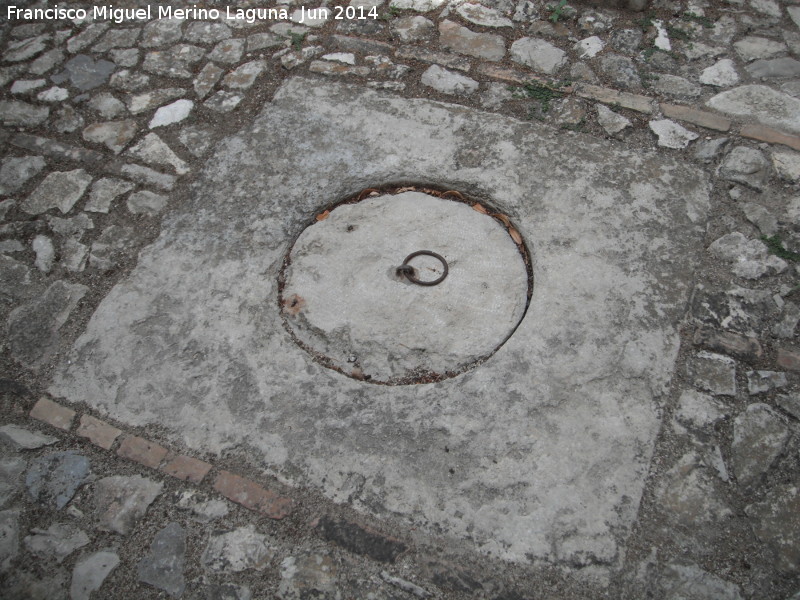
pixel 539 453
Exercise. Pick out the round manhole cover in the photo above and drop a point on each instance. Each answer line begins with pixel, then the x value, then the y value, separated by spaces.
pixel 345 301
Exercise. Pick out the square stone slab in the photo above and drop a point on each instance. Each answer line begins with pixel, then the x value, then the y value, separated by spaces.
pixel 539 453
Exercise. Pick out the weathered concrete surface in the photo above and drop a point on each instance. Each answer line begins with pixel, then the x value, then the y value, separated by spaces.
pixel 343 298
pixel 540 453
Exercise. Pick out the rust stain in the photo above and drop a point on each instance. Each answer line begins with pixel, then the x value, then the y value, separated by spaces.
pixel 480 208
pixel 323 215
pixel 293 304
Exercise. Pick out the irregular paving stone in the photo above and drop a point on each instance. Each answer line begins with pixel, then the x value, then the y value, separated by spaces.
pixel 23 439
pixel 759 382
pixel 406 586
pixel 223 101
pixel 776 523
pixel 228 591
pixel 713 373
pixel 25 49
pixel 308 575
pixel 538 54
pixel 621 71
pixel 17 281
pixel 129 81
pixel 57 541
pixel 14 113
pixel 197 140
pixel 147 176
pixel 790 404
pixel 161 32
pixel 496 95
pixel 260 41
pixel 672 135
pixel 412 29
pixel 787 165
pixel 110 247
pixel 45 253
pixel 103 193
pixel 746 348
pixel 86 37
pixel 85 73
pixel 335 68
pixel 761 217
pixel 448 82
pixel 11 469
pixel 125 58
pixel 154 151
pixel 625 40
pixel 791 316
pixel 171 113
pixel 114 135
pixel 243 77
pixel 774 68
pixel 16 171
pixel 343 57
pixel 90 573
pixel 589 47
pixel 759 437
pixel 610 121
pixel 359 540
pixel 163 567
pixel 203 508
pixel 46 62
pixel 752 48
pixel 689 496
pixel 699 412
pixel 54 94
pixel 67 120
pixel 175 62
pixel 750 258
pixel 761 103
pixel 228 51
pixel 74 255
pixel 33 327
pixel 204 32
pixel 117 38
pixel 140 103
pixel 207 79
pixel 121 501
pixel 54 479
pixel 238 550
pixel 692 583
pixel 460 39
pixel 9 538
pixel 24 86
pixel 451 61
pixel 106 105
pixel 676 87
pixel 788 359
pixel 147 203
pixel 314 18
pixel 745 165
pixel 480 15
pixel 721 74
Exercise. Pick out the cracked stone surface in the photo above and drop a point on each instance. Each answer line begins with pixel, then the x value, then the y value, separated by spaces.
pixel 428 160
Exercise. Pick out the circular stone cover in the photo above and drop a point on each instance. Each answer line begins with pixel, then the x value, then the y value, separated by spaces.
pixel 345 303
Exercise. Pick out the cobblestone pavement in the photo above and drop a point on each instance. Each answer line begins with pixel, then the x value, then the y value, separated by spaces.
pixel 106 123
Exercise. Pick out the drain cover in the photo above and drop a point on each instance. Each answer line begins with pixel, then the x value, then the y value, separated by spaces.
pixel 346 301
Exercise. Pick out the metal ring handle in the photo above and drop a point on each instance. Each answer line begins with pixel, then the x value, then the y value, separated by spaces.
pixel 408 270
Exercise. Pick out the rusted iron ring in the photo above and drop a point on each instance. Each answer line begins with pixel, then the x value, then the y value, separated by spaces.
pixel 409 272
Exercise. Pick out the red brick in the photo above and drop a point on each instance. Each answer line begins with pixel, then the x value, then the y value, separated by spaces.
pixel 99 432
pixel 142 451
pixel 696 117
pixel 788 359
pixel 187 468
pixel 252 496
pixel 53 414
pixel 636 102
pixel 771 136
